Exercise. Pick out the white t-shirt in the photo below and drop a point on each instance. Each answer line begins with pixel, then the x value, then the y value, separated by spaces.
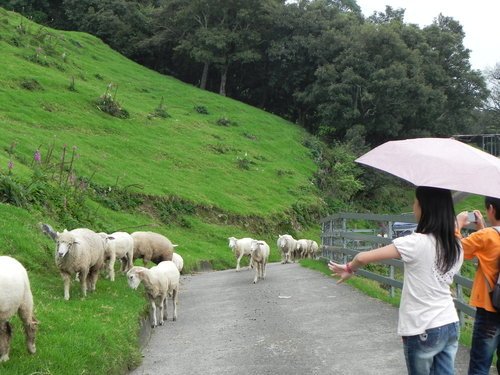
pixel 426 300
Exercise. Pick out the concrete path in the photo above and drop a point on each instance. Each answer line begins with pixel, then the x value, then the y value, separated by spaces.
pixel 295 322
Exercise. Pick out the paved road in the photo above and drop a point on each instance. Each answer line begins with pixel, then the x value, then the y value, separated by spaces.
pixel 297 321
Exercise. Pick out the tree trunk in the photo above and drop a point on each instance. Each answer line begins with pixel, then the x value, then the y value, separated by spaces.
pixel 223 79
pixel 204 76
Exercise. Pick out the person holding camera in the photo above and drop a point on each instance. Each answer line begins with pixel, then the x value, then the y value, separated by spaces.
pixel 428 320
pixel 484 244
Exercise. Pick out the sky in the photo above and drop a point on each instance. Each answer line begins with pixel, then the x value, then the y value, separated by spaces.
pixel 480 20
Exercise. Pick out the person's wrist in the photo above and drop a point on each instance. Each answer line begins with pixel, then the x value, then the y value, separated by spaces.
pixel 348 268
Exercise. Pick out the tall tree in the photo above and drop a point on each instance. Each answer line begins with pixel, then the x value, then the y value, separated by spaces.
pixel 216 33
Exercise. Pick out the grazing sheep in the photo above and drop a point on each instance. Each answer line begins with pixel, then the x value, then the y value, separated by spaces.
pixel 15 297
pixel 287 245
pixel 259 256
pixel 118 245
pixel 240 248
pixel 151 246
pixel 178 261
pixel 79 251
pixel 159 282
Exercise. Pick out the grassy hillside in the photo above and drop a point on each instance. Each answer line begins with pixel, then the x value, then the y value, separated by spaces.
pixel 177 160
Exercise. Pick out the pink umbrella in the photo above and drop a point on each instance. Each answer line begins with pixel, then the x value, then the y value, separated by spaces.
pixel 438 162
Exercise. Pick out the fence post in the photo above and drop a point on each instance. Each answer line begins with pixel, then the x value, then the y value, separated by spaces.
pixel 344 241
pixel 391 268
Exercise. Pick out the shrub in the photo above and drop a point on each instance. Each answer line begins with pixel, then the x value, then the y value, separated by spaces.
pixel 108 103
pixel 244 162
pixel 71 86
pixel 30 84
pixel 221 148
pixel 201 109
pixel 224 121
pixel 160 111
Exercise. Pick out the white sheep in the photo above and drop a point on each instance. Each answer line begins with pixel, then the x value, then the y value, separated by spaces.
pixel 259 255
pixel 79 251
pixel 159 282
pixel 302 249
pixel 307 248
pixel 287 245
pixel 151 246
pixel 178 261
pixel 15 297
pixel 314 249
pixel 118 245
pixel 240 248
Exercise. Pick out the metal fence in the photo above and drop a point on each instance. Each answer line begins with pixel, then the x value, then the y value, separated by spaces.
pixel 344 235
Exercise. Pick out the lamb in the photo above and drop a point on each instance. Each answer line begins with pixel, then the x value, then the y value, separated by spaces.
pixel 15 297
pixel 240 248
pixel 287 245
pixel 79 251
pixel 118 245
pixel 259 256
pixel 178 261
pixel 159 282
pixel 151 246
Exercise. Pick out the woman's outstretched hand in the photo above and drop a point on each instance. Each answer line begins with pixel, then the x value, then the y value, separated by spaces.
pixel 340 270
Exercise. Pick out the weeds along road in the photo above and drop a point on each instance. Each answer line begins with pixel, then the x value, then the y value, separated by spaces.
pixel 296 321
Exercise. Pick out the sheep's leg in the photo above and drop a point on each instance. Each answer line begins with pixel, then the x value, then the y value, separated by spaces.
pixel 67 281
pixel 111 267
pixel 163 311
pixel 256 273
pixel 238 261
pixel 264 269
pixel 5 339
pixel 29 323
pixel 174 299
pixel 84 281
pixel 250 262
pixel 92 277
pixel 153 314
pixel 165 302
pixel 130 261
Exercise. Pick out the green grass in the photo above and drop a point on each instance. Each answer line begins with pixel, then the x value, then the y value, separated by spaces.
pixel 186 155
pixel 219 181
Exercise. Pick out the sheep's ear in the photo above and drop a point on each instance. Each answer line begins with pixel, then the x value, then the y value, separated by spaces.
pixel 175 245
pixel 64 231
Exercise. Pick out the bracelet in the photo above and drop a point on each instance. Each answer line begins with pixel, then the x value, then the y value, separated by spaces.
pixel 348 268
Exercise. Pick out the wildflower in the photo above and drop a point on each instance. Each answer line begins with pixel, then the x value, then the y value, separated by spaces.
pixel 10 165
pixel 37 156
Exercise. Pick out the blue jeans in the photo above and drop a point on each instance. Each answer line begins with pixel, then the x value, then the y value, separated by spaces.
pixel 432 352
pixel 485 341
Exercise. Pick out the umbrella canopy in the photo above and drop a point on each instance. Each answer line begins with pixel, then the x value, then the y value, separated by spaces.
pixel 438 162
